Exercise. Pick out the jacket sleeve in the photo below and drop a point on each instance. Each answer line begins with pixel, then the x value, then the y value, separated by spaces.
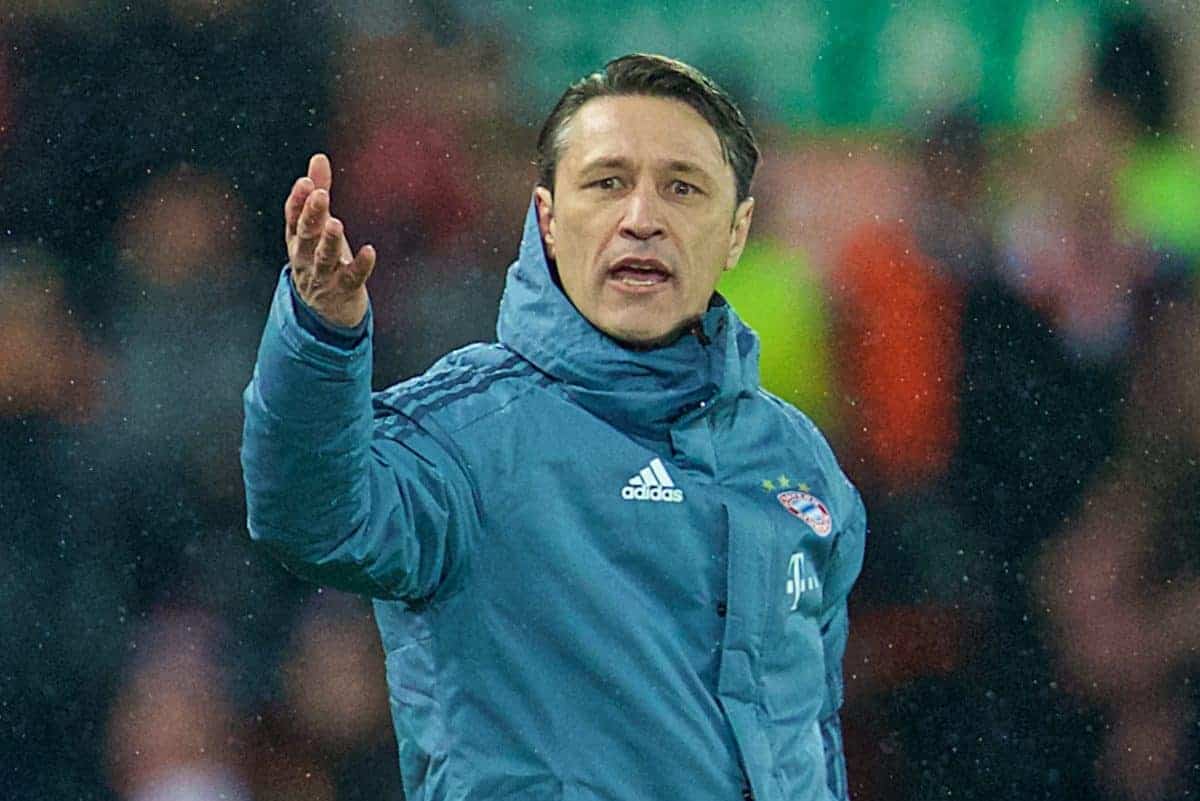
pixel 336 499
pixel 840 574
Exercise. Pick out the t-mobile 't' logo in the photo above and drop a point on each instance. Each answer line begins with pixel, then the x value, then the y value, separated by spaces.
pixel 797 582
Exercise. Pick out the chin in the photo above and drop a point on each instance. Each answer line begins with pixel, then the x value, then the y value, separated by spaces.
pixel 646 338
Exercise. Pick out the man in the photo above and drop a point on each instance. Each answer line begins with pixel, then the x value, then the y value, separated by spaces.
pixel 606 564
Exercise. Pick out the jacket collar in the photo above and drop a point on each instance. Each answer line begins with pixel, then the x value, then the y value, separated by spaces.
pixel 643 392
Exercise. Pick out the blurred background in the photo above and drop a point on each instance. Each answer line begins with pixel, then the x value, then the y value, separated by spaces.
pixel 973 263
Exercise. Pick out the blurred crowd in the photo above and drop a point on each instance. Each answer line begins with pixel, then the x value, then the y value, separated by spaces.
pixel 996 322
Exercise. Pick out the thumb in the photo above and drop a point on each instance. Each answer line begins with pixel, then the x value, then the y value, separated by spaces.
pixel 358 271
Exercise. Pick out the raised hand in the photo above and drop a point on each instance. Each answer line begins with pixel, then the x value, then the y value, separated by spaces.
pixel 328 276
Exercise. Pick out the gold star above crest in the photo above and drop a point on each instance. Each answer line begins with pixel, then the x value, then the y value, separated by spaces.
pixel 783 481
pixel 802 487
pixel 767 485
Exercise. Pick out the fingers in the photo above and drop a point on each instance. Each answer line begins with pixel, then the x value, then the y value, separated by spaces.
pixel 295 204
pixel 320 176
pixel 364 264
pixel 313 218
pixel 320 171
pixel 329 246
pixel 332 256
pixel 333 253
pixel 315 238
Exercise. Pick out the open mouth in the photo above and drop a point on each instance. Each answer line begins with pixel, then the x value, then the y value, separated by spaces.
pixel 634 276
pixel 639 274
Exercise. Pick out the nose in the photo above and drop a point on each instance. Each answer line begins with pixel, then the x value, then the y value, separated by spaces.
pixel 643 214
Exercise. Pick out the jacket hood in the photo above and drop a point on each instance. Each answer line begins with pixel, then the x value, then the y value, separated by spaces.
pixel 639 391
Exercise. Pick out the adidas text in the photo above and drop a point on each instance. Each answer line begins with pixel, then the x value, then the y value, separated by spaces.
pixel 652 483
pixel 652 494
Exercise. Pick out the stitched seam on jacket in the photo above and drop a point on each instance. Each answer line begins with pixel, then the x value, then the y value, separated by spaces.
pixel 419 393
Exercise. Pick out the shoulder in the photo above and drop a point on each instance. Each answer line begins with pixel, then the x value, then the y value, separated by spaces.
pixel 797 422
pixel 460 388
pixel 810 438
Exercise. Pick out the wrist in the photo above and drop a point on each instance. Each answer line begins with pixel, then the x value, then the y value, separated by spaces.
pixel 348 317
pixel 345 332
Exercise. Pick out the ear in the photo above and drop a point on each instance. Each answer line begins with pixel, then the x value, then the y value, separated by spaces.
pixel 739 232
pixel 545 214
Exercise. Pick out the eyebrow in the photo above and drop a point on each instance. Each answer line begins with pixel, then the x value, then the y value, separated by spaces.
pixel 622 163
pixel 607 163
pixel 679 165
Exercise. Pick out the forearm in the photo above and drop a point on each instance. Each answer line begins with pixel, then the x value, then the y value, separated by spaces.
pixel 834 635
pixel 842 571
pixel 835 758
pixel 307 433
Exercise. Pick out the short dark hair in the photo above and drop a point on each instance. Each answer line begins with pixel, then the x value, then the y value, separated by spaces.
pixel 655 76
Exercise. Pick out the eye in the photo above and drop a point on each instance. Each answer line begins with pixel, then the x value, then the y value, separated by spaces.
pixel 683 188
pixel 612 182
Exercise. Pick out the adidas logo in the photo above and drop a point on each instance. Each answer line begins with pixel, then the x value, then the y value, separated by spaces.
pixel 652 483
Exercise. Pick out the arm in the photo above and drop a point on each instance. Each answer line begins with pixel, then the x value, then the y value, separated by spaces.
pixel 841 571
pixel 335 502
pixel 386 516
pixel 845 564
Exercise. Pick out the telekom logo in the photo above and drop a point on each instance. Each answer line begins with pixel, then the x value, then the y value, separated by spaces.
pixel 798 583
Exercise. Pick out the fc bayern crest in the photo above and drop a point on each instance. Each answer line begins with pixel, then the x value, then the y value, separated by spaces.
pixel 808 508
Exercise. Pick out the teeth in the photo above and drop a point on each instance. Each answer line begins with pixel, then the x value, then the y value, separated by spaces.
pixel 638 281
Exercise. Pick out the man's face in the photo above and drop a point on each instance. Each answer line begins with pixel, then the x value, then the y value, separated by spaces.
pixel 642 219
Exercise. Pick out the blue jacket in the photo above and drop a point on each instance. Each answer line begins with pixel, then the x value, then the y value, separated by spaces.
pixel 598 573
